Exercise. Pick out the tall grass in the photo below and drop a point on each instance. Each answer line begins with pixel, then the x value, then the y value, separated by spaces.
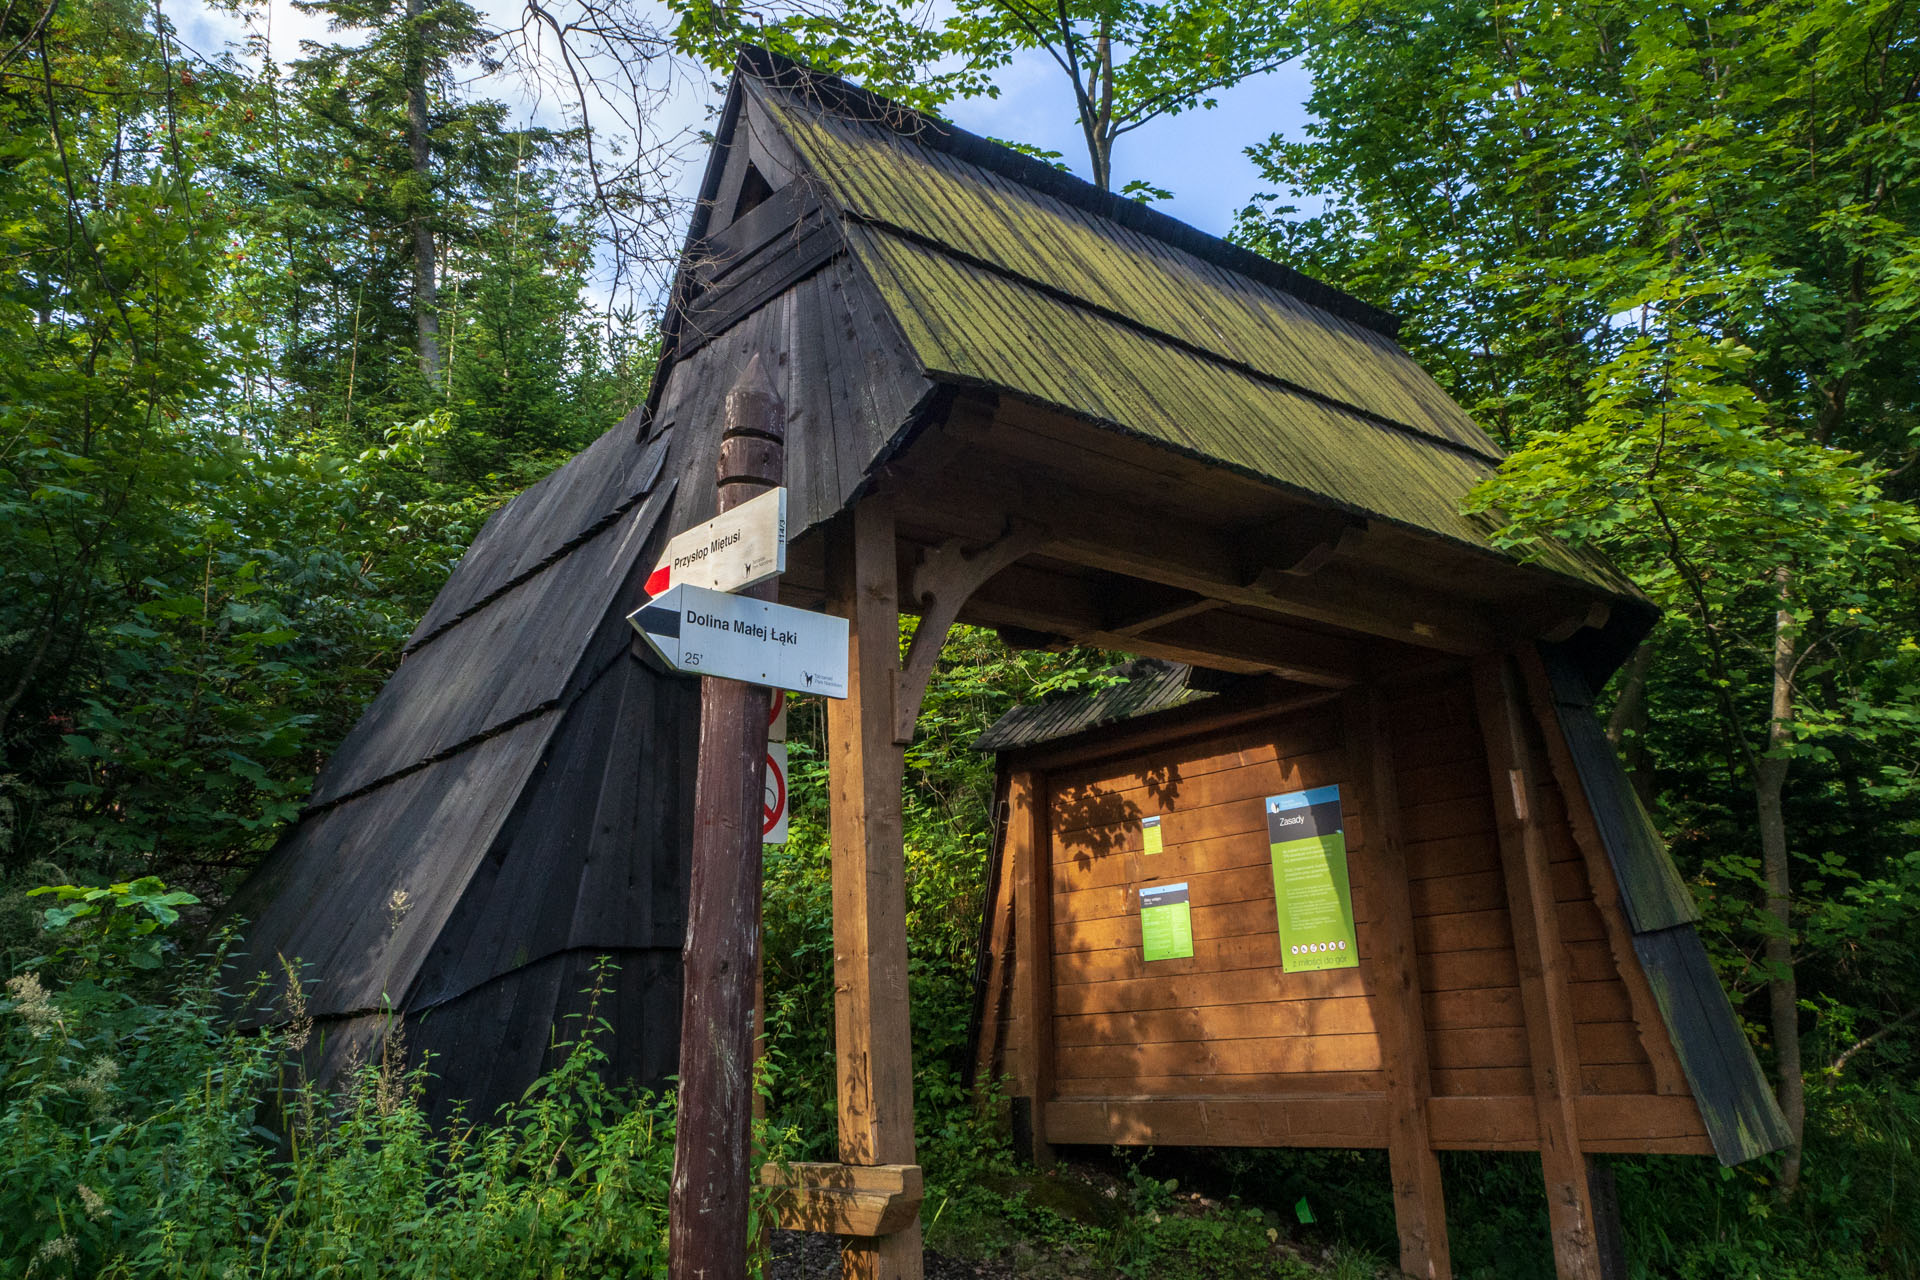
pixel 142 1135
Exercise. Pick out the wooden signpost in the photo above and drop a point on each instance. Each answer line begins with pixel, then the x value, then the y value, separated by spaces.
pixel 707 1204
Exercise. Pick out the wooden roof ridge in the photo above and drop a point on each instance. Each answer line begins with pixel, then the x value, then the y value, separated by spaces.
pixel 862 104
pixel 1140 687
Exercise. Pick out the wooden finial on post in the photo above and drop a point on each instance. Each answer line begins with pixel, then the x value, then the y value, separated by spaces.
pixel 707 1204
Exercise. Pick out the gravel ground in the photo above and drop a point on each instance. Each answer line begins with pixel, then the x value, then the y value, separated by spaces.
pixel 811 1256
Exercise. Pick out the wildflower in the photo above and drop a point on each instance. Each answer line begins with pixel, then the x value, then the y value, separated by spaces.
pixel 32 1002
pixel 58 1249
pixel 399 902
pixel 391 1089
pixel 92 1201
pixel 299 1018
pixel 96 1084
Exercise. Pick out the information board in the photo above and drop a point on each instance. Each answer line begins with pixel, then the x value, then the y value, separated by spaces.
pixel 1166 921
pixel 1311 893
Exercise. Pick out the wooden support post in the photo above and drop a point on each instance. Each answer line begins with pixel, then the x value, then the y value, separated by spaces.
pixel 1392 973
pixel 872 1035
pixel 1668 1076
pixel 707 1202
pixel 1029 852
pixel 1506 725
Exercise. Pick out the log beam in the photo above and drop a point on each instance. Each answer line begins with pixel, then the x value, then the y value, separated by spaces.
pixel 845 1199
pixel 1513 769
pixel 1392 973
pixel 873 1044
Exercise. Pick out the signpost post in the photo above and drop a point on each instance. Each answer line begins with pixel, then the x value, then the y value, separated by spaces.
pixel 707 1201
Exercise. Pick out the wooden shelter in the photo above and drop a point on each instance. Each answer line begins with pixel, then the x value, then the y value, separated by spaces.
pixel 1527 977
pixel 1010 399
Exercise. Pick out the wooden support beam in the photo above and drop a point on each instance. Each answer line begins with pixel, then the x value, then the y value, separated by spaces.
pixel 1103 531
pixel 873 1043
pixel 1043 600
pixel 845 1199
pixel 1668 1076
pixel 1542 960
pixel 997 964
pixel 1297 544
pixel 1173 606
pixel 937 589
pixel 1391 968
pixel 1033 954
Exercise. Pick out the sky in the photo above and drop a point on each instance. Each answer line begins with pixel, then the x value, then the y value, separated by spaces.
pixel 1199 156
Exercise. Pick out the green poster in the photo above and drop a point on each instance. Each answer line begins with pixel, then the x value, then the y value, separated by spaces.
pixel 1310 889
pixel 1150 835
pixel 1166 921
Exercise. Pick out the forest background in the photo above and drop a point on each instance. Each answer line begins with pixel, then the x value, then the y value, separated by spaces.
pixel 276 339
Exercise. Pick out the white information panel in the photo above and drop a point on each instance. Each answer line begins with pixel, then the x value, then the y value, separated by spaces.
pixel 730 552
pixel 710 633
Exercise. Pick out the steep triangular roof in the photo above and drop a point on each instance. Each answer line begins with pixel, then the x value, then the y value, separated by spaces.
pixel 1002 272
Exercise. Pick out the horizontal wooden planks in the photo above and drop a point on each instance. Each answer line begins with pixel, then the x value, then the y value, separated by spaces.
pixel 1310 1121
pixel 1663 1125
pixel 1334 1016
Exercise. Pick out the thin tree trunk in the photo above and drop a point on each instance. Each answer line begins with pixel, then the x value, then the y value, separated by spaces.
pixel 1102 131
pixel 1770 780
pixel 426 295
pixel 1627 725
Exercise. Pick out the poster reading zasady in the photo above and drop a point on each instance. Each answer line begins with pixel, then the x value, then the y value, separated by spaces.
pixel 1310 889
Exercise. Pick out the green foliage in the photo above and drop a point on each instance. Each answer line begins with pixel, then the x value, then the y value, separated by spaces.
pixel 155 1139
pixel 117 922
pixel 1663 254
pixel 226 490
pixel 1129 62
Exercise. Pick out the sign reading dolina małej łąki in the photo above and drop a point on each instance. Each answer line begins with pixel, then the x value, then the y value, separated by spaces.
pixel 710 633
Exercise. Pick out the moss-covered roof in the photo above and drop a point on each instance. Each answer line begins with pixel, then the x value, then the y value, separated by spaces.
pixel 1005 273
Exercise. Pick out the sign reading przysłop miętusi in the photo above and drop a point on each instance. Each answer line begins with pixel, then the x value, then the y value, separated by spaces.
pixel 1310 889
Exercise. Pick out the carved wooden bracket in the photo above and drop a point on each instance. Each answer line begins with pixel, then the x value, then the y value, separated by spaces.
pixel 938 586
pixel 845 1199
pixel 1298 545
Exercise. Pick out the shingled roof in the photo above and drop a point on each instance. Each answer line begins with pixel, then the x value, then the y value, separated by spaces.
pixel 1003 272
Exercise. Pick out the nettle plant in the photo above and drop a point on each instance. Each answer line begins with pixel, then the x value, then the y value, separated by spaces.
pixel 117 923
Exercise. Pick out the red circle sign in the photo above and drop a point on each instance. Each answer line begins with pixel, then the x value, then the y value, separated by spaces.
pixel 775 705
pixel 773 800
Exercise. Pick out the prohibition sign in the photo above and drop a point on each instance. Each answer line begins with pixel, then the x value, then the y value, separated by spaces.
pixel 773 799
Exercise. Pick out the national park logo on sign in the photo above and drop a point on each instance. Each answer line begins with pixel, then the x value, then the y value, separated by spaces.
pixel 1311 894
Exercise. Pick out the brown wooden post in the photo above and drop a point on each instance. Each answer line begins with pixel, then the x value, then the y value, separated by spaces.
pixel 708 1199
pixel 872 1033
pixel 1033 959
pixel 1393 979
pixel 1512 767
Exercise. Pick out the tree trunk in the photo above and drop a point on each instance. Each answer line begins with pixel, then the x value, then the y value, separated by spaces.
pixel 426 294
pixel 1770 781
pixel 1626 727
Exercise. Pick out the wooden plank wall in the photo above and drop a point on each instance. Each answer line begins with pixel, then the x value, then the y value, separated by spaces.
pixel 1227 1020
pixel 1225 1047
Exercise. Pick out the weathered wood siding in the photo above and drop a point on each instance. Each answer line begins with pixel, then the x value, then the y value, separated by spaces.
pixel 1225 1048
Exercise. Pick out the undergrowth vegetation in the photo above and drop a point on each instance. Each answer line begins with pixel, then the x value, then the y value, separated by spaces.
pixel 145 1132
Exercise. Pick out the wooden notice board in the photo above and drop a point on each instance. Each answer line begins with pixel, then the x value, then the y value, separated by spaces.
pixel 1224 1047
